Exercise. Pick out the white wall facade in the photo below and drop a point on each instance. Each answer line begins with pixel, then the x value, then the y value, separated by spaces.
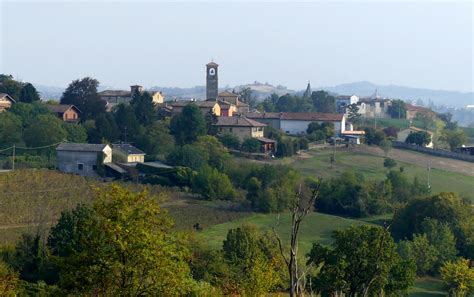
pixel 299 127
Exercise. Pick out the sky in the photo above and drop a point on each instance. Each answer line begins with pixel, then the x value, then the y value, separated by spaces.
pixel 418 44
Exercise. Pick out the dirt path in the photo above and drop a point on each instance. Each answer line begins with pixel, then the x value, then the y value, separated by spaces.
pixel 463 167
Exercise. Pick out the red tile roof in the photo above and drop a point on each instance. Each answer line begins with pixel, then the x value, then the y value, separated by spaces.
pixel 311 116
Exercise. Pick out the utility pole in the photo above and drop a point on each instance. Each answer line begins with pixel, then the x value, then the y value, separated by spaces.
pixel 13 158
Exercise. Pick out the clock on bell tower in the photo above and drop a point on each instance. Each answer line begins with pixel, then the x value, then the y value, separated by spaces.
pixel 212 87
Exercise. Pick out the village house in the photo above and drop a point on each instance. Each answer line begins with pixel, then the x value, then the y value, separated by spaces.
pixel 245 128
pixel 127 153
pixel 6 101
pixel 114 97
pixel 233 100
pixel 205 107
pixel 403 134
pixel 297 122
pixel 412 111
pixel 374 106
pixel 67 113
pixel 82 158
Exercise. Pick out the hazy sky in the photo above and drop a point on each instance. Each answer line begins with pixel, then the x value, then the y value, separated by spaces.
pixel 418 44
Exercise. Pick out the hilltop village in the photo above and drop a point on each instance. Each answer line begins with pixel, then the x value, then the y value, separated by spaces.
pixel 132 193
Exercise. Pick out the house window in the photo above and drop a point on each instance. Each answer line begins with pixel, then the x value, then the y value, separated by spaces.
pixel 230 129
pixel 94 167
pixel 80 166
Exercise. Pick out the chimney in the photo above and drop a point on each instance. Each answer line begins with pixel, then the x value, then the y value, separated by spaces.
pixel 135 88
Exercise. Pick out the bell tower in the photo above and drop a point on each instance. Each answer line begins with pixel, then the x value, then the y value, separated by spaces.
pixel 212 87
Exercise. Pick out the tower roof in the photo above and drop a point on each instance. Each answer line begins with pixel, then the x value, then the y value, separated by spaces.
pixel 212 63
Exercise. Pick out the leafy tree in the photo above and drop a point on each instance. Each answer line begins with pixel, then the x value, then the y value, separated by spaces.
pixel 219 157
pixel 323 102
pixel 454 138
pixel 44 130
pixel 75 133
pixel 156 142
pixel 251 145
pixel 230 140
pixel 83 94
pixel 389 163
pixel 9 281
pixel 442 239
pixel 188 125
pixel 28 94
pixel 401 187
pixel 373 137
pixel 103 129
pixel 326 127
pixel 420 138
pixel 253 261
pixel 10 86
pixel 124 245
pixel 127 122
pixel 247 95
pixel 28 112
pixel 144 108
pixel 398 109
pixel 353 113
pixel 421 252
pixel 386 146
pixel 458 277
pixel 10 129
pixel 362 261
pixel 213 185
pixel 188 155
pixel 31 260
pixel 446 208
pixel 426 119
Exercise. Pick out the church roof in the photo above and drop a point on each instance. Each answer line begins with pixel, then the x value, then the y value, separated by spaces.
pixel 228 94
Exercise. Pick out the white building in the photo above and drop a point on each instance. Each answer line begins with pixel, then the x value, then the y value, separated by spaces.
pixel 343 101
pixel 82 158
pixel 297 122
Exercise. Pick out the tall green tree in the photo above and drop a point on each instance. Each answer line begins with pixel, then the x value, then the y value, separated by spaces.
pixel 254 265
pixel 45 130
pixel 353 113
pixel 124 246
pixel 83 94
pixel 188 125
pixel 75 133
pixel 156 142
pixel 10 129
pixel 10 86
pixel 28 94
pixel 458 277
pixel 28 112
pixel 144 108
pixel 398 109
pixel 127 122
pixel 323 102
pixel 454 138
pixel 420 138
pixel 362 261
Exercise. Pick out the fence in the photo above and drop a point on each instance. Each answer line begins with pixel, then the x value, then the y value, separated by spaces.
pixel 435 152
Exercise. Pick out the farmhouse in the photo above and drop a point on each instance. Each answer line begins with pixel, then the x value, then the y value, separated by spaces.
pixel 233 99
pixel 205 107
pixel 402 135
pixel 6 101
pixel 413 111
pixel 82 158
pixel 114 97
pixel 67 113
pixel 297 122
pixel 127 153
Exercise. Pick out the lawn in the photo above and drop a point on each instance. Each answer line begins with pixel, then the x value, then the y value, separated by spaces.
pixel 371 167
pixel 317 227
pixel 428 287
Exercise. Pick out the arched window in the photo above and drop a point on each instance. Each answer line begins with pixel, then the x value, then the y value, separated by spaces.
pixel 212 71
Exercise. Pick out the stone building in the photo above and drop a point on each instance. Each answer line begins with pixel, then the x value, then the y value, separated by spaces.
pixel 82 158
pixel 212 84
pixel 114 97
pixel 6 101
pixel 67 113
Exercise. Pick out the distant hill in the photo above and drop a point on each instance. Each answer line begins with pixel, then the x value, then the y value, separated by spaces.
pixel 262 90
pixel 438 97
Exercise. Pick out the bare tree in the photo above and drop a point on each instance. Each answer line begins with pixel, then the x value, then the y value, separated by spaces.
pixel 300 208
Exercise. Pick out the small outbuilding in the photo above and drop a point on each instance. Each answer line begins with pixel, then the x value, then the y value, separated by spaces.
pixel 83 158
pixel 127 153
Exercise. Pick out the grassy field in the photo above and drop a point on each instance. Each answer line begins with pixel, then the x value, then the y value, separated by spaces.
pixel 428 287
pixel 387 122
pixel 318 164
pixel 317 227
